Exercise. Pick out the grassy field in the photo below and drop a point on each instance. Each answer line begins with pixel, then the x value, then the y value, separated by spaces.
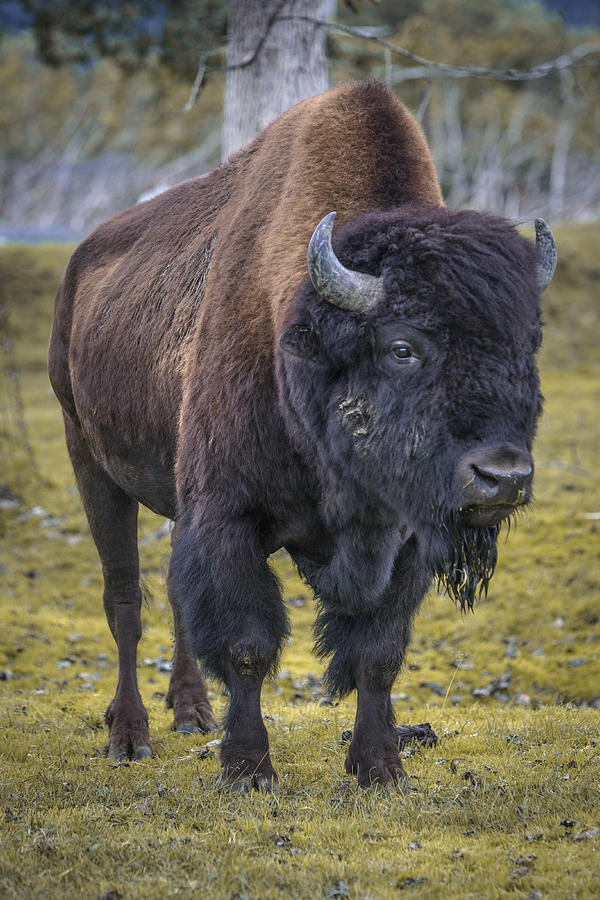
pixel 506 805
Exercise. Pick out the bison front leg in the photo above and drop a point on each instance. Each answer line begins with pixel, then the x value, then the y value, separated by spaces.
pixel 233 617
pixel 373 752
pixel 245 750
pixel 367 652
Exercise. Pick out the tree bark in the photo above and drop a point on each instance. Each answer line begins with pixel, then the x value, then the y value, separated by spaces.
pixel 290 65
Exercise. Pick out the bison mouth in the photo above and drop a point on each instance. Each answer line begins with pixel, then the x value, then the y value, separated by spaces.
pixel 485 516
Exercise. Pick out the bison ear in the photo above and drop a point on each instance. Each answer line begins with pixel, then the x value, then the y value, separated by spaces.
pixel 303 341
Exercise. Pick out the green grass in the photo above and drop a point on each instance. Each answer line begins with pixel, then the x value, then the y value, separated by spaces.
pixel 482 814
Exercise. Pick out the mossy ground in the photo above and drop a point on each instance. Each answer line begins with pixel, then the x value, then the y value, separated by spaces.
pixel 489 808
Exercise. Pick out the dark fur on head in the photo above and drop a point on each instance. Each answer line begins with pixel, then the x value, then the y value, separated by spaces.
pixel 389 447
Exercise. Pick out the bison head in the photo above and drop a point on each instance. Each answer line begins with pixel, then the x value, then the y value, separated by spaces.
pixel 409 373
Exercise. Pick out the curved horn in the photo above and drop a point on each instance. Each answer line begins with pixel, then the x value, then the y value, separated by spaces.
pixel 545 246
pixel 354 291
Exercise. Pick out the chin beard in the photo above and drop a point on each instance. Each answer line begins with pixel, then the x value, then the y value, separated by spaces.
pixel 466 561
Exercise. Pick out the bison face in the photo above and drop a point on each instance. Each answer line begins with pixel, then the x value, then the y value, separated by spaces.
pixel 419 405
pixel 490 481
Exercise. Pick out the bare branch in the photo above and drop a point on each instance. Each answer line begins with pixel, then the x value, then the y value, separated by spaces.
pixel 247 61
pixel 198 82
pixel 427 68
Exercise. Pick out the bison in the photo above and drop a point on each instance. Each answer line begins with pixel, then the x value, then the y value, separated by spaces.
pixel 370 407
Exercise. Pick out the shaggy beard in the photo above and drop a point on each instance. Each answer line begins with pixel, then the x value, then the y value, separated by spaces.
pixel 466 568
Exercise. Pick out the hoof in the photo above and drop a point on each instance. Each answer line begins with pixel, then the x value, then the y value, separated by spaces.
pixel 194 724
pixel 382 781
pixel 192 712
pixel 119 754
pixel 243 784
pixel 237 786
pixel 187 728
pixel 128 736
pixel 377 772
pixel 143 752
pixel 116 753
pixel 265 784
pixel 246 774
pixel 194 721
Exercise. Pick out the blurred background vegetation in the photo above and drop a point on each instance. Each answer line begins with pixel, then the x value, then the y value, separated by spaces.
pixel 93 94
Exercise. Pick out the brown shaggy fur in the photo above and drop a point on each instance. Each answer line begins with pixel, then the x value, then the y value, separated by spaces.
pixel 140 282
pixel 163 358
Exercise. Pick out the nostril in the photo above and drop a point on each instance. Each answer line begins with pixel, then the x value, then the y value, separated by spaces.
pixel 487 475
pixel 504 476
pixel 483 485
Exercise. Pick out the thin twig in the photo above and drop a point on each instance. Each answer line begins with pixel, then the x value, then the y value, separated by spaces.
pixel 429 69
pixel 247 61
pixel 198 81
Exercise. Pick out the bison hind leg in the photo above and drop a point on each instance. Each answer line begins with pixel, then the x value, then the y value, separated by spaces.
pixel 187 696
pixel 112 516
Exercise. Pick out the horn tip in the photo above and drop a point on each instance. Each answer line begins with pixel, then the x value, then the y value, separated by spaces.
pixel 547 255
pixel 543 234
pixel 329 219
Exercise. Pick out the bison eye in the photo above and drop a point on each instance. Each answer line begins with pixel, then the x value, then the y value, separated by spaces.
pixel 403 352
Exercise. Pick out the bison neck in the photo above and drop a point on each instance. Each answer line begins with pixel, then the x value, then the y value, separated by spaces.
pixel 359 570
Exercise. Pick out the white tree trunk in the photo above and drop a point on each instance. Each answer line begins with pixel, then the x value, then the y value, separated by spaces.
pixel 290 66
